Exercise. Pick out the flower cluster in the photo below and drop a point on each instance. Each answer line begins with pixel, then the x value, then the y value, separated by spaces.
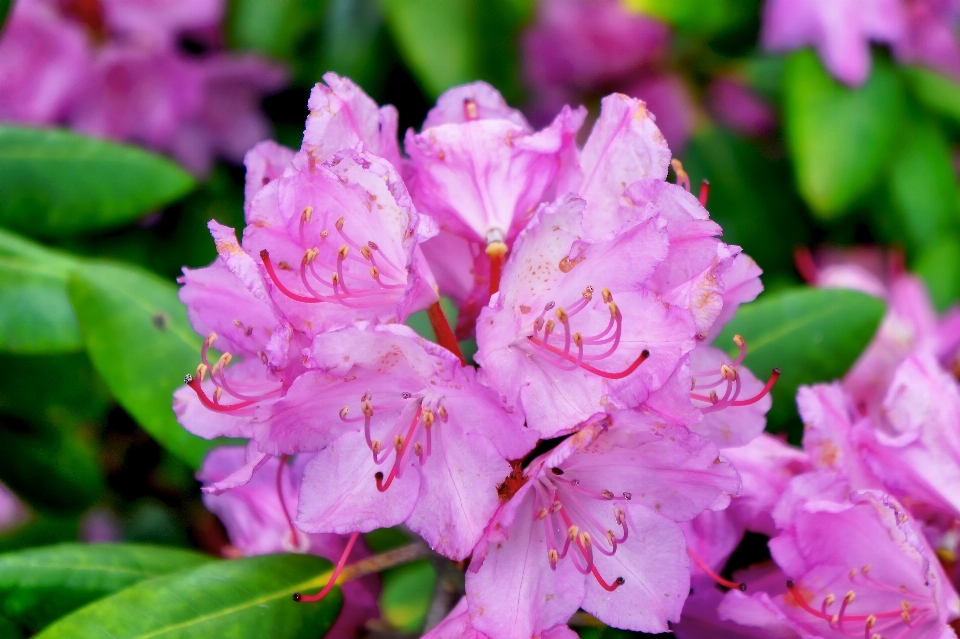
pixel 862 520
pixel 562 466
pixel 122 69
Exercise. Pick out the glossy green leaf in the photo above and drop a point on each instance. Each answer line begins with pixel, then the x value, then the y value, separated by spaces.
pixel 55 183
pixel 40 585
pixel 41 530
pixel 937 92
pixel 839 138
pixel 406 594
pixel 35 312
pixel 698 16
pixel 923 183
pixel 812 335
pixel 71 394
pixel 354 42
pixel 138 337
pixel 49 466
pixel 238 599
pixel 939 266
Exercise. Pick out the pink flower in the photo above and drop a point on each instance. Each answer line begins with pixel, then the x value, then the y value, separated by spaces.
pixel 930 35
pixel 671 105
pixel 13 512
pixel 591 524
pixel 850 567
pixel 159 21
pixel 258 518
pixel 739 108
pixel 457 625
pixel 574 329
pixel 337 241
pixel 405 434
pixel 840 30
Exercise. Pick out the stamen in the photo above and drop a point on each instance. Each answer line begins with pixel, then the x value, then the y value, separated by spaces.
pixel 774 376
pixel 268 265
pixel 683 179
pixel 726 583
pixel 194 383
pixel 443 332
pixel 333 576
pixel 283 505
pixel 400 444
pixel 704 192
pixel 470 109
pixel 587 367
pixel 496 251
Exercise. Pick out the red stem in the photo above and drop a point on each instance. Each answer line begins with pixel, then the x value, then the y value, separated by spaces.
pixel 443 332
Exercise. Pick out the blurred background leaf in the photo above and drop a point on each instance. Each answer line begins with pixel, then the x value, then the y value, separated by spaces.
pixel 139 340
pixel 839 138
pixel 812 335
pixel 55 183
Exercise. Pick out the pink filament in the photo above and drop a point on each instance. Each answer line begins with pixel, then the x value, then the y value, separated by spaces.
pixel 726 583
pixel 636 364
pixel 333 578
pixel 382 486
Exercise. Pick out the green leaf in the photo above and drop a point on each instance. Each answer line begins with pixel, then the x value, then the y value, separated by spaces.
pixel 55 183
pixel 72 394
pixel 40 530
pixel 839 138
pixel 40 585
pixel 238 599
pixel 939 266
pixel 354 42
pixel 698 16
pixel 812 335
pixel 4 11
pixel 35 313
pixel 138 337
pixel 51 467
pixel 406 595
pixel 923 182
pixel 937 92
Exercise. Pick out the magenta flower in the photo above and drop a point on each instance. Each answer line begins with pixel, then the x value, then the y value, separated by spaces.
pixel 457 625
pixel 840 30
pixel 739 108
pixel 572 330
pixel 405 434
pixel 258 518
pixel 338 242
pixel 592 524
pixel 930 35
pixel 850 568
pixel 13 512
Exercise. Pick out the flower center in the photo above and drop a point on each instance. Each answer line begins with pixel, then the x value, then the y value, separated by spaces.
pixel 559 505
pixel 727 373
pixel 374 279
pixel 590 348
pixel 409 440
pixel 247 393
pixel 914 608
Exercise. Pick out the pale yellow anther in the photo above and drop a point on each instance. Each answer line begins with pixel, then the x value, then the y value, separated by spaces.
pixel 876 635
pixel 728 373
pixel 555 507
pixel 588 293
pixel 470 109
pixel 398 442
pixel 829 599
pixel 310 255
pixel 238 323
pixel 578 339
pixel 561 314
pixel 307 214
pixel 263 357
pixel 714 398
pixel 618 515
pixel 365 252
pixel 904 605
pixel 334 279
pixel 201 372
pixel 442 412
pixel 865 569
pixel 344 412
pixel 342 251
pixel 428 417
pixel 217 394
pixel 849 597
pixel 367 407
pixel 906 616
pixel 542 514
pixel 870 622
pixel 572 533
pixel 418 449
pixel 607 295
pixel 339 224
pixel 374 272
pixel 834 620
pixel 553 556
pixel 853 573
pixel 606 494
pixel 224 360
pixel 613 309
pixel 610 538
pixel 585 539
pixel 376 446
pixel 211 338
pixel 550 325
pixel 738 341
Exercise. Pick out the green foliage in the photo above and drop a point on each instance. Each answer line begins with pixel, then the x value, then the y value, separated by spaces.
pixel 137 335
pixel 812 335
pixel 938 93
pixel 840 138
pixel 923 183
pixel 239 599
pixel 49 466
pixel 4 11
pixel 35 314
pixel 701 17
pixel 54 183
pixel 939 266
pixel 448 43
pixel 406 595
pixel 39 586
pixel 70 395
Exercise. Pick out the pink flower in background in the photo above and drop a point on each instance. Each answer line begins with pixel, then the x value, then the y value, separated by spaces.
pixel 13 512
pixel 930 35
pixel 840 30
pixel 115 69
pixel 739 108
pixel 592 524
pixel 258 518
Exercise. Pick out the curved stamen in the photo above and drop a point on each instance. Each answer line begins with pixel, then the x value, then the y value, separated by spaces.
pixel 382 486
pixel 553 349
pixel 333 576
pixel 283 504
pixel 726 583
pixel 268 265
pixel 194 383
pixel 798 596
pixel 774 376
